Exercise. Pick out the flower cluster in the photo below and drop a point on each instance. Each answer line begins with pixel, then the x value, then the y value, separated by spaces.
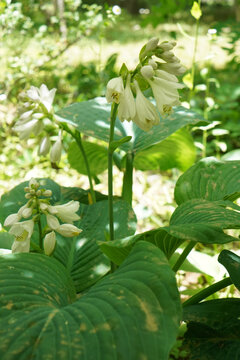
pixel 37 115
pixel 158 69
pixel 39 204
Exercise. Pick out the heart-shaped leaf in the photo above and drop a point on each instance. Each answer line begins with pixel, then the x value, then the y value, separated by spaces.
pixel 131 314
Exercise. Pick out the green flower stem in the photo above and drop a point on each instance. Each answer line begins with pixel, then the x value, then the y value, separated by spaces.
pixel 110 176
pixel 194 57
pixel 183 255
pixel 128 179
pixel 40 235
pixel 77 137
pixel 203 294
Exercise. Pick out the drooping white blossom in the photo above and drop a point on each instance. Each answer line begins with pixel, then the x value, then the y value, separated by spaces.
pixel 165 90
pixel 127 108
pixel 66 212
pixel 22 232
pixel 68 230
pixel 146 113
pixel 114 90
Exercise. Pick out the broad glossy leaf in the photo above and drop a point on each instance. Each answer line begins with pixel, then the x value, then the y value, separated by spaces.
pixel 96 154
pixel 209 179
pixel 213 330
pixel 131 314
pixel 118 250
pixel 203 221
pixel 231 262
pixel 92 119
pixel 177 151
pixel 6 240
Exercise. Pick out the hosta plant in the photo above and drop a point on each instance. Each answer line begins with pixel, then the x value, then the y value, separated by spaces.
pixel 76 281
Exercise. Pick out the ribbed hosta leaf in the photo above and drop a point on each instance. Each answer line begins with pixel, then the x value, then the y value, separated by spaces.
pixel 177 151
pixel 92 119
pixel 118 250
pixel 96 155
pixel 213 330
pixel 203 221
pixel 131 314
pixel 81 255
pixel 231 262
pixel 209 179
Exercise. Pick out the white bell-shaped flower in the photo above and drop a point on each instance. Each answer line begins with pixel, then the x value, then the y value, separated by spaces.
pixel 68 230
pixel 26 127
pixel 12 219
pixel 66 212
pixel 42 95
pixel 146 113
pixel 114 90
pixel 127 108
pixel 173 68
pixel 165 90
pixel 22 232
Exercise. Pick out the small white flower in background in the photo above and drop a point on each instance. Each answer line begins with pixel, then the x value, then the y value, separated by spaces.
pixel 44 146
pixel 22 232
pixel 127 108
pixel 146 113
pixel 37 206
pixel 116 10
pixel 56 150
pixel 115 89
pixel 49 243
pixel 42 95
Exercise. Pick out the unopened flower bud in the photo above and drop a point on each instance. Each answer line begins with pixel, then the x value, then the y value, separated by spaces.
pixel 147 71
pixel 27 213
pixel 152 44
pixel 49 243
pixel 56 151
pixel 44 146
pixel 43 206
pixel 167 45
pixel 153 64
pixel 32 191
pixel 39 193
pixel 26 189
pixel 47 193
pixel 28 196
pixel 68 230
pixel 52 222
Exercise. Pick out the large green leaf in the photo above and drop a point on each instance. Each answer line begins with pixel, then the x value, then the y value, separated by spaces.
pixel 81 254
pixel 231 262
pixel 92 119
pixel 131 314
pixel 203 221
pixel 213 330
pixel 177 151
pixel 96 154
pixel 209 179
